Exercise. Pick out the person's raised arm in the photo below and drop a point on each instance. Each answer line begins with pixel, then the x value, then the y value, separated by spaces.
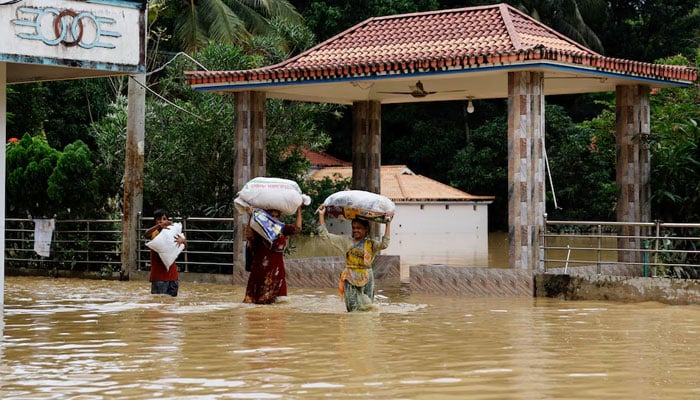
pixel 299 218
pixel 321 214
pixel 387 230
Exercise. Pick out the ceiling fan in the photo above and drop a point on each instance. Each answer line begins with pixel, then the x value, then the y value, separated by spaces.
pixel 418 91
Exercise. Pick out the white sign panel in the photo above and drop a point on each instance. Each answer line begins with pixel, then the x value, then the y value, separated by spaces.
pixel 93 34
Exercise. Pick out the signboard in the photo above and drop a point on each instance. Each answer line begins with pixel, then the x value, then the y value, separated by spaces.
pixel 102 35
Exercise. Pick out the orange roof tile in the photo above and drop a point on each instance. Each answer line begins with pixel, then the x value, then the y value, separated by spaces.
pixel 400 184
pixel 320 159
pixel 446 40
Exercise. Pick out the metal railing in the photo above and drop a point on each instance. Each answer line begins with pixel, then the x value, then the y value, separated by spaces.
pixel 95 245
pixel 655 248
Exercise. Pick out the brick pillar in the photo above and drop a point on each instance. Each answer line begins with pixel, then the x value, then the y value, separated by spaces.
pixel 366 145
pixel 526 171
pixel 633 170
pixel 249 154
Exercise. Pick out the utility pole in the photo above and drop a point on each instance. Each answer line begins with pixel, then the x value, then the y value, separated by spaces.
pixel 133 173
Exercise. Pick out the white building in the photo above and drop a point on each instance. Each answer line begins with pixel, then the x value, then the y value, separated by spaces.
pixel 434 223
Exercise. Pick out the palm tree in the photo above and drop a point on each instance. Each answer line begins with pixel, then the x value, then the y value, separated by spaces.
pixel 195 23
pixel 571 18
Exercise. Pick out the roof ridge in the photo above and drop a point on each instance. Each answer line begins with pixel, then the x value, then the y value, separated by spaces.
pixel 507 7
pixel 402 187
pixel 513 34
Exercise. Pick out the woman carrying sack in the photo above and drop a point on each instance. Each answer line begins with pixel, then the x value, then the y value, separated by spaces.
pixel 267 280
pixel 356 284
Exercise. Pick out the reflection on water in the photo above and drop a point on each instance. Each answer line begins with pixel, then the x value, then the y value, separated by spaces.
pixel 112 340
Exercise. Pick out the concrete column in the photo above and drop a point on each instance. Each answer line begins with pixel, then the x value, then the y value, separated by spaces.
pixel 526 170
pixel 633 170
pixel 249 156
pixel 366 145
pixel 133 173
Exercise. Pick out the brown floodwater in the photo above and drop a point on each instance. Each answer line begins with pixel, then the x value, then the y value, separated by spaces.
pixel 81 339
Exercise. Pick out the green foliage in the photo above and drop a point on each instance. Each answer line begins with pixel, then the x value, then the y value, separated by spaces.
pixel 194 25
pixel 582 163
pixel 30 163
pixel 61 111
pixel 319 190
pixel 675 152
pixel 481 168
pixel 44 182
pixel 73 184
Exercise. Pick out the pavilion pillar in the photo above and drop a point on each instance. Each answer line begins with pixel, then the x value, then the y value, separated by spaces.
pixel 633 170
pixel 366 145
pixel 249 155
pixel 526 172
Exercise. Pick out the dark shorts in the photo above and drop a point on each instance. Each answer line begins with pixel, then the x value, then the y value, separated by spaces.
pixel 165 287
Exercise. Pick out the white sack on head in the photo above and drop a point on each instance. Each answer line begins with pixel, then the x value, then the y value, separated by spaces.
pixel 164 244
pixel 350 204
pixel 271 194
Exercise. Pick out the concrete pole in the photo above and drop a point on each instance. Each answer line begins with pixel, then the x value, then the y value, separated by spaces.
pixel 633 170
pixel 367 146
pixel 526 170
pixel 250 155
pixel 3 172
pixel 133 173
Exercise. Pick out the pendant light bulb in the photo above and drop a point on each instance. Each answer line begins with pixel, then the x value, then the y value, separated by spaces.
pixel 470 107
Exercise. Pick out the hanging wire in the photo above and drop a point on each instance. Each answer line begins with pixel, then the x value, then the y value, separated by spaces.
pixel 162 67
pixel 168 101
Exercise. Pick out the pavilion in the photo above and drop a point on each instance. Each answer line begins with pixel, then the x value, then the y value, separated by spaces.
pixel 484 52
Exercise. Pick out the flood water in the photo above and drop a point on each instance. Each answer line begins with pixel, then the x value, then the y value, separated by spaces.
pixel 80 339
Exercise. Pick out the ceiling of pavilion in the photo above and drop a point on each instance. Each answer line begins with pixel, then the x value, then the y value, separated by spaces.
pixel 455 54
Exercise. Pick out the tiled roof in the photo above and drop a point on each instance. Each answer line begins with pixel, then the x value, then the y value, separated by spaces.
pixel 319 159
pixel 400 184
pixel 447 40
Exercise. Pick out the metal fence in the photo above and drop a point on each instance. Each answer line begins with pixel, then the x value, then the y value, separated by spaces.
pixel 665 249
pixel 657 248
pixel 95 245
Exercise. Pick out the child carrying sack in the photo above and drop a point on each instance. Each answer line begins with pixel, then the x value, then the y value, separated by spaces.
pixel 265 225
pixel 351 204
pixel 164 244
pixel 271 194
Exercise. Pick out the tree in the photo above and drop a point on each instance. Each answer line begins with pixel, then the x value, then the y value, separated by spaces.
pixel 74 184
pixel 193 25
pixel 572 18
pixel 44 182
pixel 30 163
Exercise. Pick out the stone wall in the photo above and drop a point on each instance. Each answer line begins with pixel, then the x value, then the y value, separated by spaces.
pixel 470 281
pixel 617 288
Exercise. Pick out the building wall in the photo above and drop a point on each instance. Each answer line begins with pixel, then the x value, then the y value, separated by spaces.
pixel 435 233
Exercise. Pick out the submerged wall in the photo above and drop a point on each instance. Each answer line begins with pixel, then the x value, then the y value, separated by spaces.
pixel 617 288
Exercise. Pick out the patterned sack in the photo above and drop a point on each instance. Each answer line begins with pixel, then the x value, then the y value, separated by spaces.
pixel 265 225
pixel 351 204
pixel 271 194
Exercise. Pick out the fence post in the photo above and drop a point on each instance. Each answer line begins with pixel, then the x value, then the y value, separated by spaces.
pixel 656 247
pixel 184 229
pixel 543 241
pixel 599 249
